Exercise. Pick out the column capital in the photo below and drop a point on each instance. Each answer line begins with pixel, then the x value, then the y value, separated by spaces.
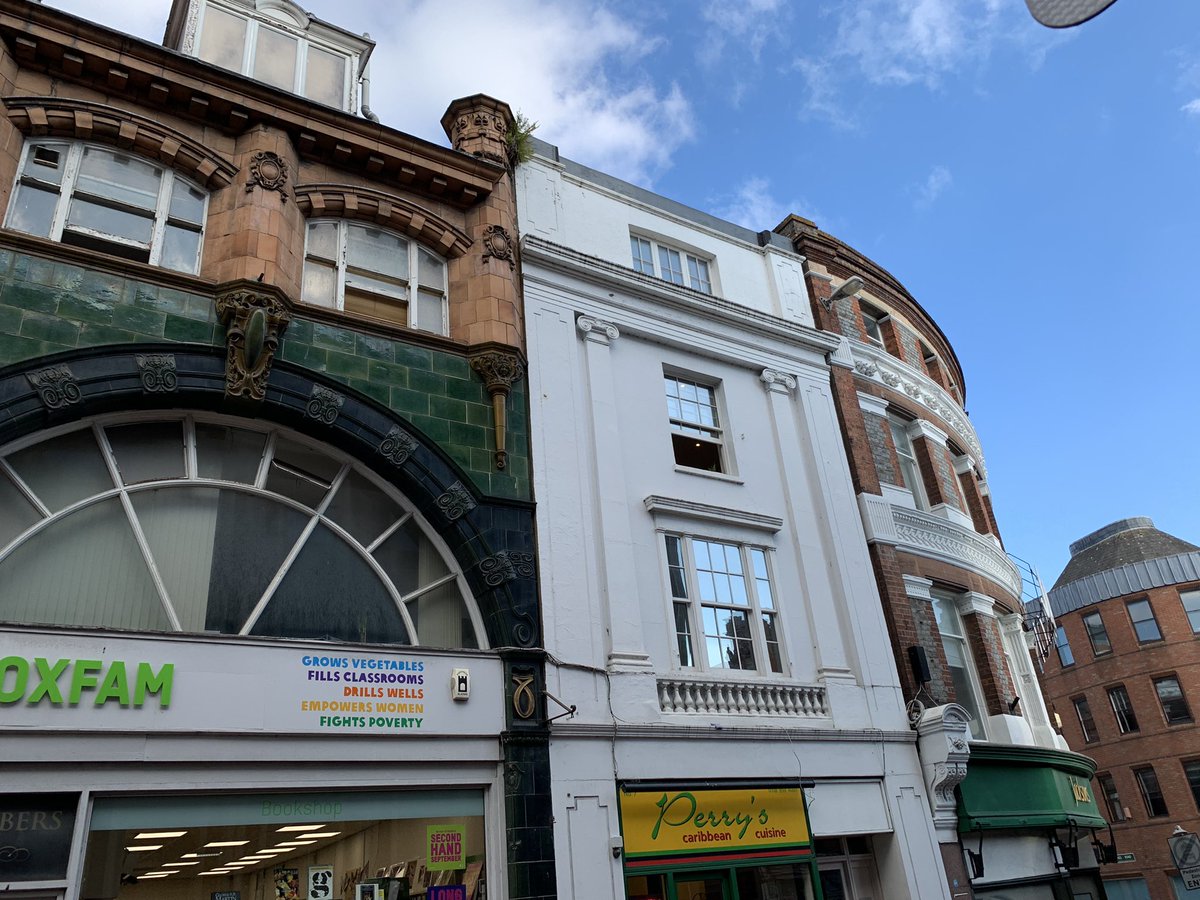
pixel 597 330
pixel 975 602
pixel 964 464
pixel 779 382
pixel 918 588
pixel 920 428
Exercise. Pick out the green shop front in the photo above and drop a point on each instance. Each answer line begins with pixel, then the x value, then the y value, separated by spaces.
pixel 1029 824
pixel 718 841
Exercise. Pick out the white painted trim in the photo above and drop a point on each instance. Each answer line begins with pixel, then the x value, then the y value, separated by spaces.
pixel 975 602
pixel 869 403
pixel 704 512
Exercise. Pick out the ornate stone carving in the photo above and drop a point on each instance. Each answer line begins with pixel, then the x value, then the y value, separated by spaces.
pixel 157 371
pixel 324 405
pixel 254 321
pixel 397 446
pixel 780 382
pixel 507 565
pixel 499 369
pixel 864 368
pixel 928 535
pixel 713 696
pixel 268 171
pixel 56 386
pixel 481 133
pixel 942 744
pixel 524 700
pixel 597 330
pixel 456 502
pixel 498 244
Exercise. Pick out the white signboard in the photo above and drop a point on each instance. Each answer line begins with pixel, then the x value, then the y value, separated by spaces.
pixel 1185 849
pixel 88 682
pixel 320 883
pixel 1191 878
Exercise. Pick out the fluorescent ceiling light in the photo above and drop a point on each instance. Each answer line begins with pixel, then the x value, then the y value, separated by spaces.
pixel 153 835
pixel 144 847
pixel 189 863
pixel 153 875
pixel 322 834
pixel 294 843
pixel 300 828
pixel 216 872
pixel 199 855
pixel 274 851
pixel 226 843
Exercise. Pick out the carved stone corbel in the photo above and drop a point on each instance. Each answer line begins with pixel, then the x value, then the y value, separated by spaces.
pixel 943 735
pixel 255 317
pixel 499 369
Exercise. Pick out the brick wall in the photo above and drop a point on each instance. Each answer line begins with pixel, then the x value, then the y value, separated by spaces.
pixel 880 441
pixel 910 350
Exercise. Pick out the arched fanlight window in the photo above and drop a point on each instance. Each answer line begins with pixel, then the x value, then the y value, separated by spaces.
pixel 200 523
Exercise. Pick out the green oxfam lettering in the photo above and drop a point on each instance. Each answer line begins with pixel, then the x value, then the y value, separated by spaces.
pixel 37 680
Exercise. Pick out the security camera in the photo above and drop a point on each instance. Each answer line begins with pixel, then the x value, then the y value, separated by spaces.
pixel 616 845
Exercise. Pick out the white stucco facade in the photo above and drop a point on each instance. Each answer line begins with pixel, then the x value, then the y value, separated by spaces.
pixel 611 497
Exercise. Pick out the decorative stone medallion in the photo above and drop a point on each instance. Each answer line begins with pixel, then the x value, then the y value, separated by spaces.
pixel 324 405
pixel 254 322
pixel 507 565
pixel 157 371
pixel 456 502
pixel 397 446
pixel 498 244
pixel 268 171
pixel 56 386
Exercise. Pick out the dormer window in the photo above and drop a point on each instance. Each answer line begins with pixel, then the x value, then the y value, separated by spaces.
pixel 277 43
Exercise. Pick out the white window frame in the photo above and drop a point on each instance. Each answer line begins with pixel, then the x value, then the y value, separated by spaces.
pixel 71 160
pixel 871 323
pixel 713 434
pixel 1191 607
pixel 908 454
pixel 412 287
pixel 979 730
pixel 693 269
pixel 256 21
pixel 754 607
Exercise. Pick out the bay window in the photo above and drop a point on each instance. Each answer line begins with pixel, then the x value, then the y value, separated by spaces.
pixel 106 200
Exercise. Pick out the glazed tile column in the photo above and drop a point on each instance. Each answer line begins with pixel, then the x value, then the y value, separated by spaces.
pixel 618 579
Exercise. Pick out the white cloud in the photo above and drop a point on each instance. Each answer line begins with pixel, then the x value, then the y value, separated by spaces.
pixel 1192 108
pixel 746 23
pixel 753 206
pixel 936 183
pixel 575 68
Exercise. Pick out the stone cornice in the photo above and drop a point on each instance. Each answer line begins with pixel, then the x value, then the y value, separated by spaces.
pixel 84 120
pixel 883 368
pixel 670 299
pixel 354 202
pixel 689 509
pixel 75 51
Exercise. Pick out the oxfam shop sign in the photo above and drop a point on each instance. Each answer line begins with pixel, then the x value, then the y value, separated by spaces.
pixel 41 680
pixel 681 822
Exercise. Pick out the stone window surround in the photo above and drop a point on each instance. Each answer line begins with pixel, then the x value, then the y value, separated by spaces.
pixel 687 253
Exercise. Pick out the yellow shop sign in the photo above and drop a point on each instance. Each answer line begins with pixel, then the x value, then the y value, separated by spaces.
pixel 675 821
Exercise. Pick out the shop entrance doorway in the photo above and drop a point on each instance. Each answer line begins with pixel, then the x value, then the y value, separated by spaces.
pixel 761 882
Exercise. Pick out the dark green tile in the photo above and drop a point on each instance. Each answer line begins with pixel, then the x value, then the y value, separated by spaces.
pixel 410 402
pixel 178 328
pixel 141 321
pixel 300 330
pixel 173 301
pixel 143 295
pixel 40 271
pixel 436 429
pixel 313 358
pixel 387 373
pixel 85 308
pixel 377 392
pixel 202 309
pixel 420 380
pixel 478 414
pixel 6 261
pixel 333 338
pixel 16 349
pixel 10 319
pixel 94 335
pixel 504 485
pixel 448 408
pixel 414 357
pixel 100 286
pixel 471 391
pixel 346 364
pixel 373 347
pixel 467 435
pixel 29 296
pixel 482 460
pixel 454 366
pixel 461 455
pixel 41 327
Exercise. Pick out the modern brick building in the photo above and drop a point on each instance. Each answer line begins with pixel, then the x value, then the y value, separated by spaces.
pixel 1125 682
pixel 1006 794
pixel 267 587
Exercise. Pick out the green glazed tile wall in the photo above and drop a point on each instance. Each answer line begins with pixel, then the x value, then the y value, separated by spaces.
pixel 48 307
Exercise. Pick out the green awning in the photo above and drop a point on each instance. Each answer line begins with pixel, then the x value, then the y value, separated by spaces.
pixel 1027 787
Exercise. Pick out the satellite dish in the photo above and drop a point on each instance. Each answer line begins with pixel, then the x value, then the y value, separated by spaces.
pixel 1065 13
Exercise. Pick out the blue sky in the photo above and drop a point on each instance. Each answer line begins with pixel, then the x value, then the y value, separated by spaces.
pixel 1035 190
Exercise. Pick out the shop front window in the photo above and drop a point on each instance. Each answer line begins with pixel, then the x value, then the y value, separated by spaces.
pixel 203 524
pixel 319 846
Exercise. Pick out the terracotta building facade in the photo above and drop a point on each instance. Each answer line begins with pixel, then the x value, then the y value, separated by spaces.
pixel 1125 681
pixel 1005 792
pixel 267 576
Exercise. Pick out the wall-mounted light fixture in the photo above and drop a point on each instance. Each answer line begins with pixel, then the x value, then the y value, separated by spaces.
pixel 848 288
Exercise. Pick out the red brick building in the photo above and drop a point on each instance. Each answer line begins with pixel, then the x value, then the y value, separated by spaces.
pixel 1125 682
pixel 1006 795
